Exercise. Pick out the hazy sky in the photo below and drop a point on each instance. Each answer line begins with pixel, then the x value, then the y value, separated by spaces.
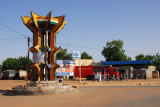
pixel 90 23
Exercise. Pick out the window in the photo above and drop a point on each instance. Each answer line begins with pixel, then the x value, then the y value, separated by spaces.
pixel 106 69
pixel 94 70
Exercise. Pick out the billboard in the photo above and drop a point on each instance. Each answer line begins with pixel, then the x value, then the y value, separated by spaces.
pixel 66 68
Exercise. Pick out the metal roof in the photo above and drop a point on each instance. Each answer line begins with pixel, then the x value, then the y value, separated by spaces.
pixel 138 62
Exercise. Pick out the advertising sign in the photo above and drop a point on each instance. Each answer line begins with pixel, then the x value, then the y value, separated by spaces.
pixel 38 57
pixel 66 68
pixel 22 73
pixel 75 54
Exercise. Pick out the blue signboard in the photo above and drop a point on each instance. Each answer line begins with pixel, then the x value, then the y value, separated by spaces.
pixel 138 62
pixel 75 54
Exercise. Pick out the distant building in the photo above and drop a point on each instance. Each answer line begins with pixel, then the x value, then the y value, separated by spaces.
pixel 83 62
pixel 126 68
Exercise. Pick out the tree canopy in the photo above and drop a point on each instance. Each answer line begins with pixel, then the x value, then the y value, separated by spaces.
pixel 84 55
pixel 63 55
pixel 0 68
pixel 20 63
pixel 143 57
pixel 155 59
pixel 114 51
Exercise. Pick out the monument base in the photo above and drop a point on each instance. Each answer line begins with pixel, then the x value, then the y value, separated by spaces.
pixel 42 88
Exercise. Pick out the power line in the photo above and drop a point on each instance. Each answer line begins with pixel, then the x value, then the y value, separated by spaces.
pixel 74 45
pixel 98 48
pixel 141 52
pixel 15 32
pixel 57 43
pixel 10 43
pixel 79 46
pixel 11 38
pixel 12 30
pixel 5 39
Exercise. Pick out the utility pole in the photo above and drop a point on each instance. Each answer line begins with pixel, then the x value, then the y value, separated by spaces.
pixel 28 73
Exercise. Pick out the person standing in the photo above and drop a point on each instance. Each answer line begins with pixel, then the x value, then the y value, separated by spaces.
pixel 121 76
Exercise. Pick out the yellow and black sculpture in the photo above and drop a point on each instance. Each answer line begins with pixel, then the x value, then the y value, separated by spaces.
pixel 44 44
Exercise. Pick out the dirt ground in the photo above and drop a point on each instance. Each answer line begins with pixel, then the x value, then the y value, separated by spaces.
pixel 131 93
pixel 130 82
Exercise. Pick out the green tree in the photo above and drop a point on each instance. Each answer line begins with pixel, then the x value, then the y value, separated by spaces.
pixel 63 55
pixel 23 63
pixel 20 63
pixel 140 57
pixel 84 55
pixel 156 61
pixel 149 57
pixel 0 68
pixel 9 63
pixel 144 57
pixel 114 51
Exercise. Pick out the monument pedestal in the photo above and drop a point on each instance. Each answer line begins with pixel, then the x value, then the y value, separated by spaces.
pixel 42 88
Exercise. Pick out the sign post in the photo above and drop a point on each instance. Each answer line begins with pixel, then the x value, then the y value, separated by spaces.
pixel 76 55
pixel 79 70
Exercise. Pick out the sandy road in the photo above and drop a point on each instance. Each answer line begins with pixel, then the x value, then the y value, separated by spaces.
pixel 88 96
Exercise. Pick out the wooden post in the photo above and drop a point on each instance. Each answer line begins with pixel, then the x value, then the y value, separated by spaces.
pixel 28 59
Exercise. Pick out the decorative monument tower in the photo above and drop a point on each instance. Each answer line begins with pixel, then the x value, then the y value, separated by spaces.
pixel 44 47
pixel 44 57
